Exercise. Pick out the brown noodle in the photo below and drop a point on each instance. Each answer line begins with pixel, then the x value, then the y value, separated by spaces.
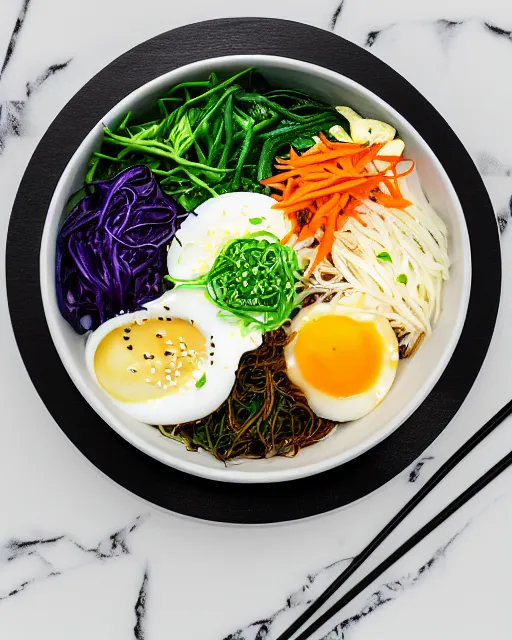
pixel 265 415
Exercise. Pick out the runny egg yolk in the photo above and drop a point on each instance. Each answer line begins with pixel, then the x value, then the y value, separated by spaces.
pixel 338 355
pixel 141 362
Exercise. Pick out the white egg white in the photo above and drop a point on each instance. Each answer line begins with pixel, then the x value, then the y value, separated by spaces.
pixel 344 409
pixel 190 403
pixel 203 233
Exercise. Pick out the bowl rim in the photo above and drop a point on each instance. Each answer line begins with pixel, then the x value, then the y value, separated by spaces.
pixel 230 473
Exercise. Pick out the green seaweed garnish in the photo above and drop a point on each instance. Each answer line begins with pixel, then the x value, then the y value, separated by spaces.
pixel 253 279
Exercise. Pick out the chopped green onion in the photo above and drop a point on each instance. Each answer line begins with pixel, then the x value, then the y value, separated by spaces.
pixel 256 220
pixel 202 381
pixel 384 255
pixel 402 278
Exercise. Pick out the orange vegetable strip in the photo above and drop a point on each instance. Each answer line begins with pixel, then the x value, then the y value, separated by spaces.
pixel 325 246
pixel 317 148
pixel 350 212
pixel 317 158
pixel 363 191
pixel 293 209
pixel 325 140
pixel 388 201
pixel 288 189
pixel 279 178
pixel 338 188
pixel 391 159
pixel 337 145
pixel 392 188
pixel 368 157
pixel 408 171
pixel 308 188
pixel 344 200
pixel 288 236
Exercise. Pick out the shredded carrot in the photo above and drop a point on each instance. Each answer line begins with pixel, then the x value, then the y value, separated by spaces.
pixel 323 186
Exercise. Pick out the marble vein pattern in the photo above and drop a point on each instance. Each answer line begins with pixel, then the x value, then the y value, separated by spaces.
pixel 139 629
pixel 26 562
pixel 390 39
pixel 12 111
pixel 418 467
pixel 269 628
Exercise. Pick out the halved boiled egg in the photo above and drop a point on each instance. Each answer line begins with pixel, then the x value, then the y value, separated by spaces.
pixel 203 233
pixel 343 359
pixel 172 362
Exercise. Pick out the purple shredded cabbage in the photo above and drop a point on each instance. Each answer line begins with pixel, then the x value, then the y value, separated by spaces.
pixel 112 249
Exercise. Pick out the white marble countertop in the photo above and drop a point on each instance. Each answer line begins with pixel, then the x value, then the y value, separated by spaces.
pixel 82 558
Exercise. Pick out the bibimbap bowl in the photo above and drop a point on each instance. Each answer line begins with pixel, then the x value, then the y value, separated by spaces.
pixel 415 376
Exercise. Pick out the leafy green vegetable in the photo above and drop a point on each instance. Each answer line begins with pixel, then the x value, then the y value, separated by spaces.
pixel 202 381
pixel 214 136
pixel 252 278
pixel 384 255
pixel 402 278
pixel 256 220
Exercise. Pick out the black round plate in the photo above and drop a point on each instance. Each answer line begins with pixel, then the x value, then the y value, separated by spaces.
pixel 120 461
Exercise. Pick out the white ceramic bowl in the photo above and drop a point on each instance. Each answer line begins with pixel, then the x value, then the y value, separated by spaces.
pixel 415 378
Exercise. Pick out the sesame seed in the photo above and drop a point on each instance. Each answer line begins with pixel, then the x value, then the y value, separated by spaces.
pixel 180 364
pixel 168 342
pixel 159 384
pixel 126 337
pixel 160 318
pixel 184 354
pixel 132 370
pixel 148 380
pixel 167 308
pixel 153 370
pixel 159 335
pixel 177 374
pixel 127 330
pixel 130 347
pixel 168 378
pixel 173 365
pixel 148 356
pixel 168 319
pixel 167 371
pixel 167 353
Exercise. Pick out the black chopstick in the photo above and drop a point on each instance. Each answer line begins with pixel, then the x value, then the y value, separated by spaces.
pixel 437 520
pixel 440 474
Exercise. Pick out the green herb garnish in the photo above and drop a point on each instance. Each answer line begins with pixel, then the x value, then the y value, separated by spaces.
pixel 384 255
pixel 402 278
pixel 201 382
pixel 256 220
pixel 254 279
pixel 213 136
